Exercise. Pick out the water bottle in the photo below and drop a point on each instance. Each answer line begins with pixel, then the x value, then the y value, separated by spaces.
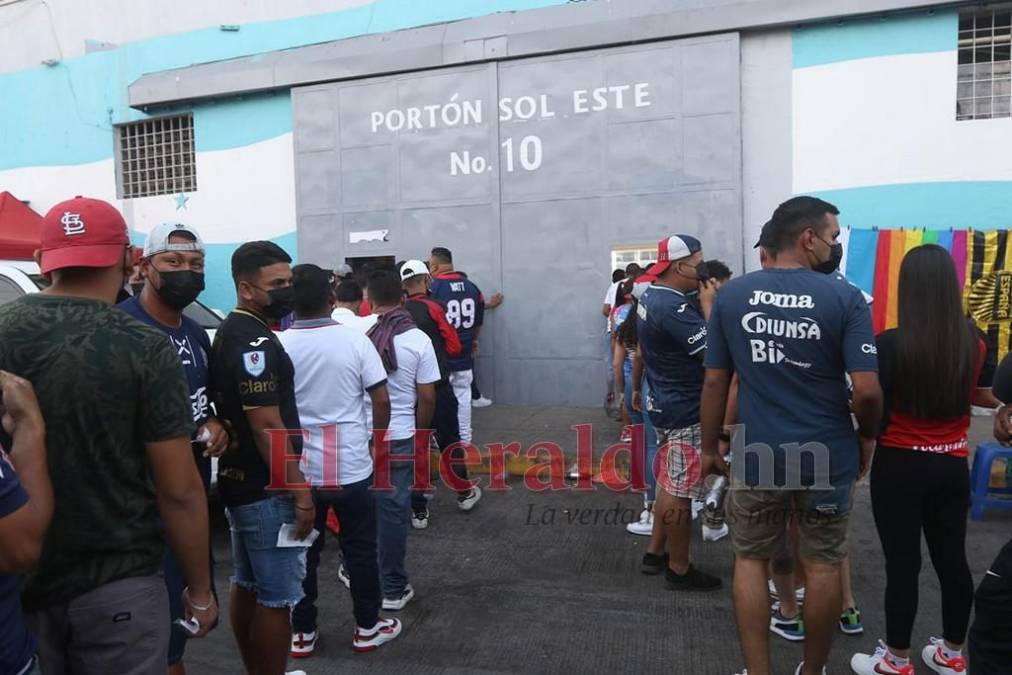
pixel 713 504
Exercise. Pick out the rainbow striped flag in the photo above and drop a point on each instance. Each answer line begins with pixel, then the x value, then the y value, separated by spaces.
pixel 983 263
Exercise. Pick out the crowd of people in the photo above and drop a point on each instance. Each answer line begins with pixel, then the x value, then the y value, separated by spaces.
pixel 781 371
pixel 319 388
pixel 120 403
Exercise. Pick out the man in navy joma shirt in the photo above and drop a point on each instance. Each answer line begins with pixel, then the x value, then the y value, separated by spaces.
pixel 791 333
pixel 173 270
pixel 671 324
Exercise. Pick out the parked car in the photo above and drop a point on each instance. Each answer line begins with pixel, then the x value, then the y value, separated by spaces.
pixel 21 277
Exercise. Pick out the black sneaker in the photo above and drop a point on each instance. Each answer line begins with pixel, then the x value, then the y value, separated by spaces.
pixel 654 563
pixel 692 580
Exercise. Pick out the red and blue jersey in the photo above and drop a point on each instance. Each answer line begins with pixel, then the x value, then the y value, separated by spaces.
pixel 465 311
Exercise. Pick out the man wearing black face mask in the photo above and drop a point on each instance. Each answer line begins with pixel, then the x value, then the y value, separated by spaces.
pixel 791 332
pixel 671 325
pixel 172 267
pixel 260 481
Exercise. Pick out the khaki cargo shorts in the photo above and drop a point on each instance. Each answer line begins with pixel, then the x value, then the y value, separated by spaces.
pixel 759 520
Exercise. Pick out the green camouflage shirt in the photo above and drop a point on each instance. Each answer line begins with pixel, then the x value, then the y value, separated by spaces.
pixel 107 384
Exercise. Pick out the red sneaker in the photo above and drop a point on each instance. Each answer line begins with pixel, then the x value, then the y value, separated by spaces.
pixel 383 632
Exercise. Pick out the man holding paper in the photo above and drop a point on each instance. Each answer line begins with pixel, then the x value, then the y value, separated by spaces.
pixel 336 367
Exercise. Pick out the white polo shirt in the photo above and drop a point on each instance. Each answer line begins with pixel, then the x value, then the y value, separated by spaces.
pixel 335 367
pixel 416 364
pixel 346 317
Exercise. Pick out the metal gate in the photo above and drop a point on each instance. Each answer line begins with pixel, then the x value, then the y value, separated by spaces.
pixel 529 171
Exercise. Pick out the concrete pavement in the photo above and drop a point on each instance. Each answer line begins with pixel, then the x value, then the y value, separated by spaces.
pixel 547 583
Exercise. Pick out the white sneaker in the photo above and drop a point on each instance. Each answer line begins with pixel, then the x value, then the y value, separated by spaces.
pixel 933 658
pixel 343 576
pixel 801 668
pixel 420 519
pixel 303 644
pixel 644 526
pixel 468 502
pixel 481 402
pixel 295 672
pixel 697 508
pixel 879 663
pixel 715 533
pixel 397 604
pixel 384 631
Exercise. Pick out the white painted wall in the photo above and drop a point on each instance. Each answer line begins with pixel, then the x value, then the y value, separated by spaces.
pixel 32 31
pixel 243 193
pixel 766 61
pixel 890 120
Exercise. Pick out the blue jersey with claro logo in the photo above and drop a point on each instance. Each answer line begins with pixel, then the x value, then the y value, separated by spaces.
pixel 792 335
pixel 672 337
pixel 465 311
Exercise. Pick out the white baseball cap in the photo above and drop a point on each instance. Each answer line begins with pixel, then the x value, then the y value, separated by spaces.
pixel 413 268
pixel 158 240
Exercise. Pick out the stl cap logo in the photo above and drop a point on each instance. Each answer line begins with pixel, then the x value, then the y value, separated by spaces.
pixel 72 224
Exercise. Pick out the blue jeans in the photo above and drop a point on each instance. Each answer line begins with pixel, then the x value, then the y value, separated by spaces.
pixel 355 507
pixel 393 509
pixel 648 429
pixel 274 574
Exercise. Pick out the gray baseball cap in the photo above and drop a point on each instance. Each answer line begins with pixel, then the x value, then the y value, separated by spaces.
pixel 158 240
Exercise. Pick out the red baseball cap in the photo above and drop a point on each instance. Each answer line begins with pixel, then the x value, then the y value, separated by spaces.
pixel 82 232
pixel 673 248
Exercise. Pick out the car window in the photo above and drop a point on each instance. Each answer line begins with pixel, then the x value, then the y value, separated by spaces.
pixel 202 315
pixel 9 291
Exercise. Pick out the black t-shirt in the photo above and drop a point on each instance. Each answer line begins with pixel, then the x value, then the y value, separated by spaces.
pixel 251 370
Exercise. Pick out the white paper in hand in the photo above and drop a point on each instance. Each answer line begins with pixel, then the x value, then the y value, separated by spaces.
pixel 286 537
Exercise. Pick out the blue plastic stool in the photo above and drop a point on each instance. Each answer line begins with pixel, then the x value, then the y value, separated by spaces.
pixel 981 475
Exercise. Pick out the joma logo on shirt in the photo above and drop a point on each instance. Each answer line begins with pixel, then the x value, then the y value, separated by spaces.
pixel 784 300
pixel 760 323
pixel 257 387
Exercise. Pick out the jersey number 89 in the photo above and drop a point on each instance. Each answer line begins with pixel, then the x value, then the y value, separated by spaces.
pixel 460 313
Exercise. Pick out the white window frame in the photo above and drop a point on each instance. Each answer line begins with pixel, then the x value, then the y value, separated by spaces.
pixel 984 79
pixel 155 156
pixel 643 254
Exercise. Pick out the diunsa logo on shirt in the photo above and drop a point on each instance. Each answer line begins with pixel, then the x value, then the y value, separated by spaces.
pixel 760 323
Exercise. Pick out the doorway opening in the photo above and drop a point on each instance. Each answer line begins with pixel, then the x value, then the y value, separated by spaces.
pixel 361 267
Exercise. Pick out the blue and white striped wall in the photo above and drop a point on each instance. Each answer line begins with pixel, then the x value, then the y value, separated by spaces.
pixel 875 130
pixel 56 131
pixel 872 106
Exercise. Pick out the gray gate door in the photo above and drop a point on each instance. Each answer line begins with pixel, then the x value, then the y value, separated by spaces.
pixel 529 171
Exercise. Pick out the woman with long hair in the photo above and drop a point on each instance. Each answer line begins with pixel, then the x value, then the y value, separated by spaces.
pixel 626 354
pixel 932 368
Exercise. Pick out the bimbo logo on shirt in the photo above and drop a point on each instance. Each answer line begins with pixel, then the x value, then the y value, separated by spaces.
pixel 783 300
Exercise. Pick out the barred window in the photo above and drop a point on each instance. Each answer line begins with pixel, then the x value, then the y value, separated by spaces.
pixel 984 87
pixel 155 157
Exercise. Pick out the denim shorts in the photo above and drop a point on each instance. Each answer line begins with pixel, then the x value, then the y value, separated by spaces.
pixel 274 574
